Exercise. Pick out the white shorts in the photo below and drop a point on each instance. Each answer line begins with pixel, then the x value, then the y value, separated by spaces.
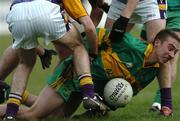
pixel 145 11
pixel 30 20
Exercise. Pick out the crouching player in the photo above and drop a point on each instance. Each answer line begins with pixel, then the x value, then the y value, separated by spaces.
pixel 129 58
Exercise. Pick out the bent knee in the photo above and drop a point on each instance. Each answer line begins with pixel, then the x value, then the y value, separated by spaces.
pixel 77 47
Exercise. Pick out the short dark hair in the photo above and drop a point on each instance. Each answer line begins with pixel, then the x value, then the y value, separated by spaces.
pixel 163 34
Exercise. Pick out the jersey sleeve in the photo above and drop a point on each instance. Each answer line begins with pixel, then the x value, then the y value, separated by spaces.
pixel 74 8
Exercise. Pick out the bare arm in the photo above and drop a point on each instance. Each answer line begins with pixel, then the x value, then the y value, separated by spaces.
pixel 120 25
pixel 90 33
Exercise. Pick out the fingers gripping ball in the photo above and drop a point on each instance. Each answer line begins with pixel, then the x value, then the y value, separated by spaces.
pixel 118 92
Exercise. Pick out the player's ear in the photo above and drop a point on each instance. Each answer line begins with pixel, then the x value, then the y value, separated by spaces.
pixel 157 42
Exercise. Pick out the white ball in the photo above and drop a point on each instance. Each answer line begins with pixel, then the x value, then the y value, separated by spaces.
pixel 118 92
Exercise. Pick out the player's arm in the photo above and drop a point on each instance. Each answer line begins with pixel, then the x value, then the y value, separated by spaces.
pixel 166 97
pixel 121 23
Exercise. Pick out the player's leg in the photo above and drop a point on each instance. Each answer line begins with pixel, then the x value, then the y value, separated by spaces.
pixel 28 99
pixel 68 108
pixel 2 110
pixel 153 27
pixel 114 12
pixel 72 40
pixel 26 62
pixel 9 60
pixel 81 60
pixel 52 98
pixel 47 101
pixel 154 17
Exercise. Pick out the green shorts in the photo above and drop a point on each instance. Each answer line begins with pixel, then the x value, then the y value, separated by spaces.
pixel 64 87
pixel 173 19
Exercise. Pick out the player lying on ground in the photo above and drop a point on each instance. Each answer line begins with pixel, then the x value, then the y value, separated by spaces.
pixel 128 58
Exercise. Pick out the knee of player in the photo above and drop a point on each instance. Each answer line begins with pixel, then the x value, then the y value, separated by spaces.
pixel 78 47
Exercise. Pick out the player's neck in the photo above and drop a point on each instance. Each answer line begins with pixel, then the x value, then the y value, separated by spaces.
pixel 152 59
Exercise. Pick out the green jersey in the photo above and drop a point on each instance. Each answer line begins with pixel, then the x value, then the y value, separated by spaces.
pixel 123 58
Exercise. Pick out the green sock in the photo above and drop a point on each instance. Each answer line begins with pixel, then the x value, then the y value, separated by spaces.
pixel 157 97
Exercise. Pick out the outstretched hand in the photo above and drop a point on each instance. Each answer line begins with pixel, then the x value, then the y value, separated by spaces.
pixel 166 111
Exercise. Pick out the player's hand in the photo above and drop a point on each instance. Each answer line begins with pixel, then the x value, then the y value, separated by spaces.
pixel 46 58
pixel 166 111
pixel 118 28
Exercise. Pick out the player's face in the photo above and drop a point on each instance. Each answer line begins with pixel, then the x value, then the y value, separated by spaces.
pixel 166 50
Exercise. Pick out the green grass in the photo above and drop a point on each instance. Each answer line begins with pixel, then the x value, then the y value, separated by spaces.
pixel 136 110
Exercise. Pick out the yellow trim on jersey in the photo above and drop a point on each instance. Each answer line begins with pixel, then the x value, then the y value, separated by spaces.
pixel 74 8
pixel 117 66
pixel 127 74
pixel 114 67
pixel 147 53
pixel 100 35
pixel 58 83
pixel 110 66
